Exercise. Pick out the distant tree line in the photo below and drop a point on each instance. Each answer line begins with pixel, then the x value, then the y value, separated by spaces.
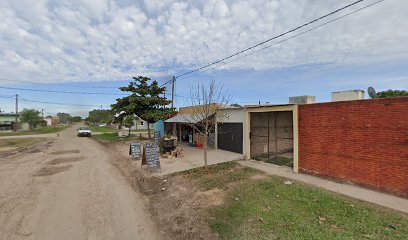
pixel 391 93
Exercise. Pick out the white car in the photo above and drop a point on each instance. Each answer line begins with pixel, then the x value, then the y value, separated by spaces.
pixel 84 132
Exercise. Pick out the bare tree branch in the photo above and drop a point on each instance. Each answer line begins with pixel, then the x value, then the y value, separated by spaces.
pixel 205 105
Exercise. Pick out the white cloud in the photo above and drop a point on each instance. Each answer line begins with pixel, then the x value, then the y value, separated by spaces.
pixel 105 40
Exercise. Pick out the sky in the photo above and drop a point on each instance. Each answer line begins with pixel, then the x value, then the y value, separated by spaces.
pixel 98 45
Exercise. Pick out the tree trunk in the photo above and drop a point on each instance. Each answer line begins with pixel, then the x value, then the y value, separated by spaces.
pixel 129 130
pixel 205 150
pixel 148 131
pixel 205 143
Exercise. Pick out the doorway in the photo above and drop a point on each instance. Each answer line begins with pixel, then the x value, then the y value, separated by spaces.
pixel 271 137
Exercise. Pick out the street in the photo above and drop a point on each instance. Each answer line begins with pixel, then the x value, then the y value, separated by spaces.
pixel 69 190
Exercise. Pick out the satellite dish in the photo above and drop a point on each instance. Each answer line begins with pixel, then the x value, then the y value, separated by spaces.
pixel 371 92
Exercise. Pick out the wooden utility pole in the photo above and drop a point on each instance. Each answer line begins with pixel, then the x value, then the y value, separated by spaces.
pixel 15 124
pixel 16 107
pixel 172 92
pixel 164 96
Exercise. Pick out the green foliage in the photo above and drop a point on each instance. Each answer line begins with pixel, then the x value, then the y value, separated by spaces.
pixel 31 116
pixel 64 118
pixel 145 101
pixel 100 116
pixel 391 93
pixel 236 105
pixel 113 137
pixel 76 119
pixel 129 121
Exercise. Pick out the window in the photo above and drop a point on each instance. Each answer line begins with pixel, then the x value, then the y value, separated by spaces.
pixel 141 123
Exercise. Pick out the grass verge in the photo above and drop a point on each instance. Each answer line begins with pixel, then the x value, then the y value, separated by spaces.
pixel 102 129
pixel 256 206
pixel 108 129
pixel 45 130
pixel 112 137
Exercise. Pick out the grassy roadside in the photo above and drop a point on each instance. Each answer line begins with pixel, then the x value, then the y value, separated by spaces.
pixel 256 206
pixel 102 129
pixel 45 130
pixel 108 129
pixel 112 137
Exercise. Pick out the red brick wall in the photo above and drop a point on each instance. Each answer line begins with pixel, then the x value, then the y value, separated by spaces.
pixel 365 142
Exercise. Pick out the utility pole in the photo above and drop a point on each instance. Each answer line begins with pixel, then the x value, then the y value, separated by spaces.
pixel 172 92
pixel 15 127
pixel 164 96
pixel 101 107
pixel 42 113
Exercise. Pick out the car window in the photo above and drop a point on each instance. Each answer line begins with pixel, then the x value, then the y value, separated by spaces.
pixel 83 128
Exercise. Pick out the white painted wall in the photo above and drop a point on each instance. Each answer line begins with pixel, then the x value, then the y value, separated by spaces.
pixel 141 125
pixel 49 121
pixel 232 115
pixel 347 95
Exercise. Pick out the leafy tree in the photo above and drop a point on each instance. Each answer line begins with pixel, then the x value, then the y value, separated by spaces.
pixel 391 93
pixel 31 116
pixel 129 122
pixel 100 116
pixel 145 101
pixel 64 118
pixel 236 105
pixel 76 119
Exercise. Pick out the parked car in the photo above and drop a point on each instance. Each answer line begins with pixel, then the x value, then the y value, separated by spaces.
pixel 84 132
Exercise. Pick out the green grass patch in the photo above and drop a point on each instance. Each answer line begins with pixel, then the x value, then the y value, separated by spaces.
pixel 269 209
pixel 45 130
pixel 278 160
pixel 141 130
pixel 108 129
pixel 102 129
pixel 112 137
pixel 219 175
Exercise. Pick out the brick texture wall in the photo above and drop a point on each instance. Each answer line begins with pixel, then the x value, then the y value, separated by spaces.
pixel 364 142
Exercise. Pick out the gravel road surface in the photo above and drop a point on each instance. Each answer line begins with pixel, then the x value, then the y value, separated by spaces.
pixel 68 189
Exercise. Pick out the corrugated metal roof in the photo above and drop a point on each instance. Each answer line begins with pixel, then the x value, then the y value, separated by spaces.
pixel 184 118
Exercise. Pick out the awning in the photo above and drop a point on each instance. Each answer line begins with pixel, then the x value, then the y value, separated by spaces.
pixel 185 118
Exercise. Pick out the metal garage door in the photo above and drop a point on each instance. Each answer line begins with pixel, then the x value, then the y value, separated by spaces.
pixel 230 137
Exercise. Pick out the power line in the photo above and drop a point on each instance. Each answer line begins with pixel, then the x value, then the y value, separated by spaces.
pixel 268 40
pixel 57 103
pixel 57 91
pixel 69 92
pixel 61 84
pixel 289 38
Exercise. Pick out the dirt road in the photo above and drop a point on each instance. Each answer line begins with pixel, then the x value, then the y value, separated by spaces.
pixel 69 190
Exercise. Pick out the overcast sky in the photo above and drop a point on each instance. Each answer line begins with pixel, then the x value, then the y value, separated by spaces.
pixel 94 43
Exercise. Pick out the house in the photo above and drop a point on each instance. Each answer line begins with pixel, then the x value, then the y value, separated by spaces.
pixel 8 121
pixel 140 124
pixel 48 120
pixel 182 124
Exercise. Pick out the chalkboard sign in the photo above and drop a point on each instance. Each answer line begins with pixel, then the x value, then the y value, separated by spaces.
pixel 152 156
pixel 135 150
pixel 156 138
